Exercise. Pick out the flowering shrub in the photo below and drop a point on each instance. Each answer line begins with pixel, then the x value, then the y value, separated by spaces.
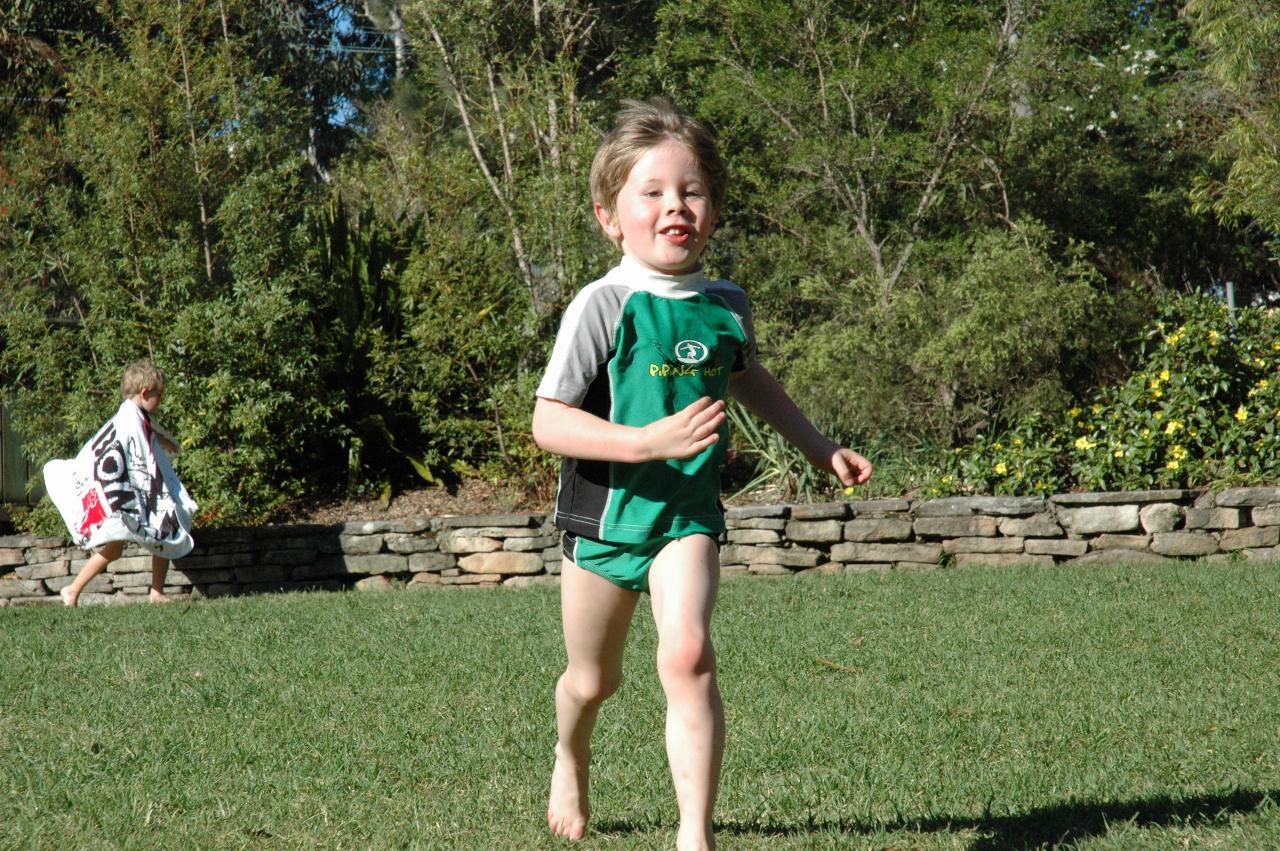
pixel 1202 408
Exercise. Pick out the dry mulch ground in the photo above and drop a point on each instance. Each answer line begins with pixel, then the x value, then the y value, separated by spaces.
pixel 470 497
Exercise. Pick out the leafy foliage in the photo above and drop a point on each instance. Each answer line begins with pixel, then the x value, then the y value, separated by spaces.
pixel 347 230
pixel 946 214
pixel 1202 408
pixel 166 223
pixel 776 463
pixel 1242 41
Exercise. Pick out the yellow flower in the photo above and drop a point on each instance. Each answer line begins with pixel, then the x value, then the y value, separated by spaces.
pixel 1262 384
pixel 1157 393
pixel 1178 452
pixel 997 446
pixel 1084 444
pixel 1017 441
pixel 1276 346
pixel 1241 414
pixel 848 490
pixel 1164 375
pixel 1154 384
pixel 1172 465
pixel 1172 427
pixel 1097 409
pixel 1001 469
pixel 1193 431
pixel 1213 337
pixel 1119 453
pixel 1073 413
pixel 1146 432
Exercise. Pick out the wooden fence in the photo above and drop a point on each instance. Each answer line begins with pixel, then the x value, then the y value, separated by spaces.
pixel 16 468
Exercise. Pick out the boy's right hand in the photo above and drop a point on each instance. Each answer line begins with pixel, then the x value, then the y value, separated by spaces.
pixel 685 433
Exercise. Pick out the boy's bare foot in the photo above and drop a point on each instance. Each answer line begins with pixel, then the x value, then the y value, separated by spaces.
pixel 568 812
pixel 70 599
pixel 698 839
pixel 159 597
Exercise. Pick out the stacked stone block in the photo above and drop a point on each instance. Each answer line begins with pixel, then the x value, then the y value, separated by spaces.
pixel 518 550
pixel 508 549
pixel 1128 527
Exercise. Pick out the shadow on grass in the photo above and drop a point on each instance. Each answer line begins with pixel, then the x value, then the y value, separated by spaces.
pixel 1042 827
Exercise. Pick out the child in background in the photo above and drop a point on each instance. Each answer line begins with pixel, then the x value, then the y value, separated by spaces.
pixel 633 399
pixel 120 488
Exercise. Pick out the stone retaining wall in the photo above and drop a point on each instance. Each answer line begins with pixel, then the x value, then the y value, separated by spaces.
pixel 1138 527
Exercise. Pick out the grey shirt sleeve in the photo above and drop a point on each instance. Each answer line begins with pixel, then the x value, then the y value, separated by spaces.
pixel 735 299
pixel 583 344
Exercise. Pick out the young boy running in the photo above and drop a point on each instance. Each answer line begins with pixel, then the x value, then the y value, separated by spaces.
pixel 120 489
pixel 633 398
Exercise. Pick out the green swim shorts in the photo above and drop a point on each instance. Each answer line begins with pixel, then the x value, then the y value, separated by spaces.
pixel 625 565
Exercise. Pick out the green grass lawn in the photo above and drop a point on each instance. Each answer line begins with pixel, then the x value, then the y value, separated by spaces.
pixel 980 709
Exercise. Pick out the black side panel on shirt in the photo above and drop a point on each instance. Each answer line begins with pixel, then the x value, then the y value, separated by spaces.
pixel 584 485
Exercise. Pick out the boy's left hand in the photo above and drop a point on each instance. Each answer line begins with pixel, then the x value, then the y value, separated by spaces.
pixel 850 467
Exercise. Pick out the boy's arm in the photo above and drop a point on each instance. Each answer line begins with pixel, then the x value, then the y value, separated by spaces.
pixel 757 389
pixel 565 430
pixel 168 442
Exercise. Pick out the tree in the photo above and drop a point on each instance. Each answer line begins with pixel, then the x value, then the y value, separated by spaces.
pixel 889 159
pixel 865 142
pixel 34 37
pixel 1241 42
pixel 166 220
pixel 477 161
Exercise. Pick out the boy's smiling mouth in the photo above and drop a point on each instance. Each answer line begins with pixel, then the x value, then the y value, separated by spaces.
pixel 677 234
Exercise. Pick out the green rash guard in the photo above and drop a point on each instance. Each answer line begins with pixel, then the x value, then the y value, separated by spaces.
pixel 634 347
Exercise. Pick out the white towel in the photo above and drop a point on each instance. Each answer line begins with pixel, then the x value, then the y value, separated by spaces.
pixel 121 487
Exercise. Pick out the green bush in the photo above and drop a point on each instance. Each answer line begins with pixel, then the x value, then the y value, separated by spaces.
pixel 1201 409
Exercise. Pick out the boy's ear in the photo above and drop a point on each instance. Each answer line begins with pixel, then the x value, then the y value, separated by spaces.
pixel 607 224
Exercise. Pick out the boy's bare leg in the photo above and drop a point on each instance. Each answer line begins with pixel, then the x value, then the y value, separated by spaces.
pixel 97 563
pixel 596 615
pixel 683 582
pixel 159 570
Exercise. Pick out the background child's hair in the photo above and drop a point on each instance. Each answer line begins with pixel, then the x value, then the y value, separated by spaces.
pixel 641 125
pixel 141 375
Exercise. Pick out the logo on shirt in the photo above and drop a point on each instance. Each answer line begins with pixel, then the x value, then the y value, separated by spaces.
pixel 691 352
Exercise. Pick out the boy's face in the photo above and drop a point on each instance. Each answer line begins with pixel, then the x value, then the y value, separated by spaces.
pixel 663 215
pixel 149 399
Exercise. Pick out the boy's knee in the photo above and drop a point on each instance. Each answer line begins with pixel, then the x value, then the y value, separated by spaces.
pixel 589 687
pixel 688 654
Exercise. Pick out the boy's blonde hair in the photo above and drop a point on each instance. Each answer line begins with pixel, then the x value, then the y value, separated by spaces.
pixel 141 375
pixel 641 125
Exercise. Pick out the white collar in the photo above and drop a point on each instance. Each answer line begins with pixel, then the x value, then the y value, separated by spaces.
pixel 642 278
